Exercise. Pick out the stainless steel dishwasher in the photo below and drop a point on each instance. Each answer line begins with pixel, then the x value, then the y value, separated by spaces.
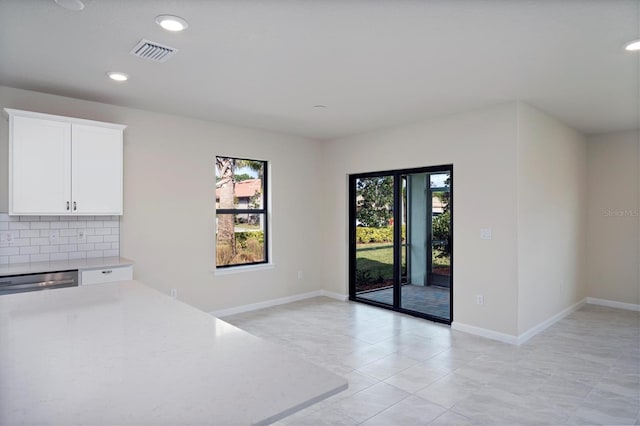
pixel 34 282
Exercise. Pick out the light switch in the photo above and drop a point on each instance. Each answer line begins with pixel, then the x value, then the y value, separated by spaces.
pixel 485 234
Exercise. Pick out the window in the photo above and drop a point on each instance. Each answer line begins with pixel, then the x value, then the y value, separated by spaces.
pixel 241 212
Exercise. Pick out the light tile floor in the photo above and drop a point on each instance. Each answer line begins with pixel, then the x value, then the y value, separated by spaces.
pixel 402 370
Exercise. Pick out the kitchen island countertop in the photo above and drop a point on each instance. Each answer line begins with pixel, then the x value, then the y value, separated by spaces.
pixel 124 353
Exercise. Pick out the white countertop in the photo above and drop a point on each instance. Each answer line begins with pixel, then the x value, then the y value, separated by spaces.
pixel 63 265
pixel 123 353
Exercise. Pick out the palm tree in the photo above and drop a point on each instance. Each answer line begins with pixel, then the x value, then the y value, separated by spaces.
pixel 226 227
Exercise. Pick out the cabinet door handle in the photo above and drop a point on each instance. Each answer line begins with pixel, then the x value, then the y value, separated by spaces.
pixel 108 271
pixel 68 206
pixel 75 206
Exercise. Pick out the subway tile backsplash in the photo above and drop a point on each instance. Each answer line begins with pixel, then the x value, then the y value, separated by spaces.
pixel 47 238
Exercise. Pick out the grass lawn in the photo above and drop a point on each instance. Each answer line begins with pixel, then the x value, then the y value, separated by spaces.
pixel 378 259
pixel 243 227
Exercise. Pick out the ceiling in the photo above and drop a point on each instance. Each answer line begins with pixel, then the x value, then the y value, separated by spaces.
pixel 373 63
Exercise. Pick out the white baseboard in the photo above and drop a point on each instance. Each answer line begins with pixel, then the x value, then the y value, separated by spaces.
pixel 613 304
pixel 520 339
pixel 485 332
pixel 333 295
pixel 266 304
pixel 549 322
pixel 275 302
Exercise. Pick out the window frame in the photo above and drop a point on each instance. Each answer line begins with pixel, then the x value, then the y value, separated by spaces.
pixel 264 211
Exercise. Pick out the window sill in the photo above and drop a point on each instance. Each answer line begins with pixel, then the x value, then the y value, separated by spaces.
pixel 241 269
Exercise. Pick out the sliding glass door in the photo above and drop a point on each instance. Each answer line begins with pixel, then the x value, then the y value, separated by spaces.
pixel 401 240
pixel 374 230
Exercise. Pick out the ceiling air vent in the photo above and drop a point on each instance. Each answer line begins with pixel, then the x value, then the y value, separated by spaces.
pixel 153 51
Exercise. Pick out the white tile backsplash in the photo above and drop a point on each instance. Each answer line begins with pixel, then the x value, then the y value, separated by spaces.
pixel 19 225
pixel 30 250
pixel 19 259
pixel 20 242
pixel 28 233
pixel 39 258
pixel 59 225
pixel 9 251
pixel 40 225
pixel 68 232
pixel 49 249
pixel 59 256
pixel 28 218
pixel 31 240
pixel 78 255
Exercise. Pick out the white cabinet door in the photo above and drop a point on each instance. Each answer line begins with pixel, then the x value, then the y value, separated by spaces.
pixel 96 158
pixel 40 166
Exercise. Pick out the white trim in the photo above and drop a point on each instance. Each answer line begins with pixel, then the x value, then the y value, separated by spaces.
pixel 548 322
pixel 241 268
pixel 522 338
pixel 266 304
pixel 10 112
pixel 276 302
pixel 334 295
pixel 484 332
pixel 613 304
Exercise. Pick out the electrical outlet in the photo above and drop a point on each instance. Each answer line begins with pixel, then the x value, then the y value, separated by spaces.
pixel 486 234
pixel 480 299
pixel 81 235
pixel 174 293
pixel 299 275
pixel 53 236
pixel 6 237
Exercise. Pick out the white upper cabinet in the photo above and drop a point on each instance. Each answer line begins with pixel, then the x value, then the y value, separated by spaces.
pixel 40 166
pixel 63 166
pixel 96 164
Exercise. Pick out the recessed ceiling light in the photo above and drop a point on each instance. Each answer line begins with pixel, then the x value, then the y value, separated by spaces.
pixel 172 23
pixel 75 5
pixel 633 46
pixel 319 107
pixel 118 76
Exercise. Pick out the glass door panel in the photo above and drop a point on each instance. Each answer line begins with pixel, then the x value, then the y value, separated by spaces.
pixel 374 233
pixel 441 231
pixel 425 286
pixel 415 293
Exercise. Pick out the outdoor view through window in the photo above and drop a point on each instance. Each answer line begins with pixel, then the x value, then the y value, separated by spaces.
pixel 241 214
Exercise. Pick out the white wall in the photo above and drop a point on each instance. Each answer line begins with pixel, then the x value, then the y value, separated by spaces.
pixel 481 146
pixel 614 217
pixel 552 199
pixel 516 171
pixel 168 225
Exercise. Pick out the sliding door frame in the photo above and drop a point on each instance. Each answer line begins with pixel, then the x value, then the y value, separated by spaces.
pixel 397 239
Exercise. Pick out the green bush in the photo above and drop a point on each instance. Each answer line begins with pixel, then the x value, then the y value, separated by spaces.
pixel 243 237
pixel 441 231
pixel 365 235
